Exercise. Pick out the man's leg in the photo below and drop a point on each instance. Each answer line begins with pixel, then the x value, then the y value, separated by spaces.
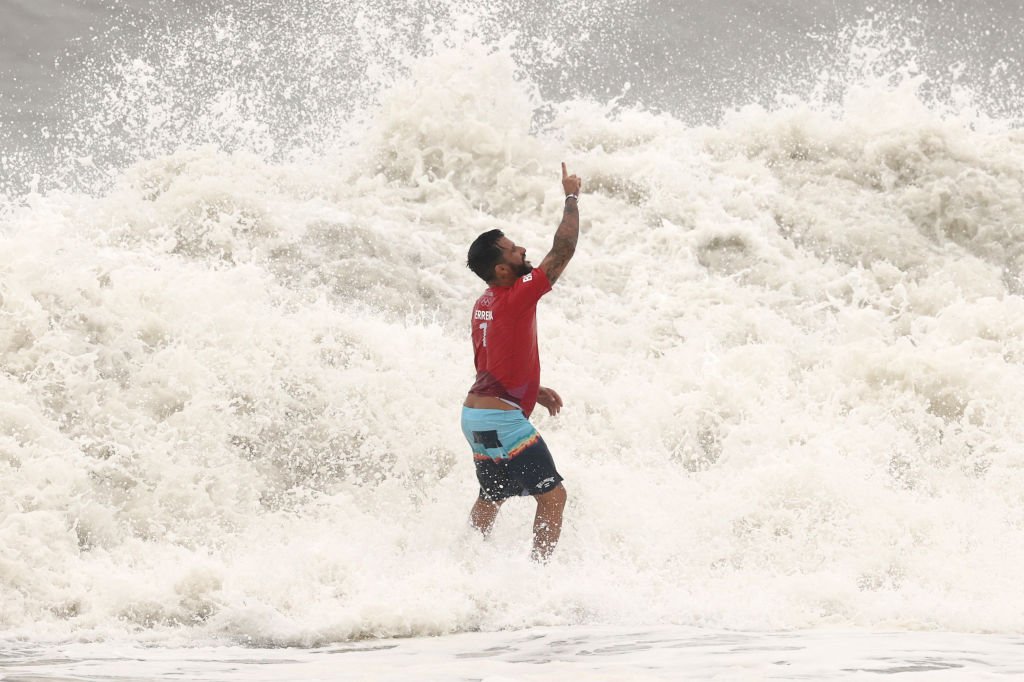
pixel 547 524
pixel 483 514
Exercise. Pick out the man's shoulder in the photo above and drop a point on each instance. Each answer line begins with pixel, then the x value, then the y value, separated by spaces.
pixel 532 285
pixel 485 299
pixel 537 277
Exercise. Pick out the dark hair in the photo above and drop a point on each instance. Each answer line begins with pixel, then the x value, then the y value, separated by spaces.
pixel 484 254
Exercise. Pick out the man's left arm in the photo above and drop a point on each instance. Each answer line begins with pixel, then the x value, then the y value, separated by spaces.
pixel 568 232
pixel 554 263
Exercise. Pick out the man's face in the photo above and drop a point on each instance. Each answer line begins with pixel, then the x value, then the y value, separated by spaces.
pixel 514 257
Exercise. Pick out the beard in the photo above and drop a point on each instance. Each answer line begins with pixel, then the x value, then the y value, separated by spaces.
pixel 523 268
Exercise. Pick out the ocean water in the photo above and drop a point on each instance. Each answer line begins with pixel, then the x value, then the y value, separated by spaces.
pixel 234 342
pixel 580 653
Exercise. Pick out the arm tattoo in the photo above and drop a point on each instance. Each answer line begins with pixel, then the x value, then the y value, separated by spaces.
pixel 564 245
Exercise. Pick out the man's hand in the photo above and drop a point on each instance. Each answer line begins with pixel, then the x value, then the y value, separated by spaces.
pixel 549 399
pixel 570 183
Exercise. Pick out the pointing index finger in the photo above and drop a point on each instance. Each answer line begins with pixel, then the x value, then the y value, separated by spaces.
pixel 565 173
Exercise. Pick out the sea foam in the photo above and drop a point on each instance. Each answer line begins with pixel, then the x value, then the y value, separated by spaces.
pixel 789 346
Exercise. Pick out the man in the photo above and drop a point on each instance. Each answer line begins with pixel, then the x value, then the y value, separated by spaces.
pixel 510 456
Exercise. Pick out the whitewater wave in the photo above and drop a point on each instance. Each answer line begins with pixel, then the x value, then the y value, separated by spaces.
pixel 789 346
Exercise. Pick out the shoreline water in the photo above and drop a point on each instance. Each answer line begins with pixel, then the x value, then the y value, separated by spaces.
pixel 790 346
pixel 638 654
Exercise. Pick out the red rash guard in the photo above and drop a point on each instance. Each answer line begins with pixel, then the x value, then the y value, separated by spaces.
pixel 505 341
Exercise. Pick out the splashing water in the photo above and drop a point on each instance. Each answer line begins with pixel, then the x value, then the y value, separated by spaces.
pixel 789 345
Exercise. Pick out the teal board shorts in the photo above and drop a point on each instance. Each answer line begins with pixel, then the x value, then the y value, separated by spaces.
pixel 511 458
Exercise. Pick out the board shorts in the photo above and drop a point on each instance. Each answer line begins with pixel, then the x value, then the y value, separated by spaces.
pixel 510 456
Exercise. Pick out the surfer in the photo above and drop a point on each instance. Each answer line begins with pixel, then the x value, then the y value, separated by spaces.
pixel 510 456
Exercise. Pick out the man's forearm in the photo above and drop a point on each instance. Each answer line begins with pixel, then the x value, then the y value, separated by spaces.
pixel 564 244
pixel 568 232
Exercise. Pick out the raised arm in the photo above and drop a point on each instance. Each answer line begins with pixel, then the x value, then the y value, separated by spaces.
pixel 568 231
